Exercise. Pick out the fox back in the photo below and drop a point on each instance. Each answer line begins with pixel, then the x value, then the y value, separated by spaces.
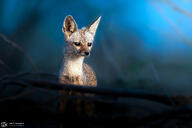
pixel 78 46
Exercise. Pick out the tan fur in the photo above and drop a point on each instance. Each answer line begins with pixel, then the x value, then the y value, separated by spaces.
pixel 74 71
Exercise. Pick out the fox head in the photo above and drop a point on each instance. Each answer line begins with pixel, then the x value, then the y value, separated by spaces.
pixel 80 41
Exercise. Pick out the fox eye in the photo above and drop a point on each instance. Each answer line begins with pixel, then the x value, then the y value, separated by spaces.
pixel 89 44
pixel 77 43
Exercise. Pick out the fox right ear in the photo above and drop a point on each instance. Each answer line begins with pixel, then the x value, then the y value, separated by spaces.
pixel 93 27
pixel 69 26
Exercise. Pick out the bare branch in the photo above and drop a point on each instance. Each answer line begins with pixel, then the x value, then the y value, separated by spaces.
pixel 14 97
pixel 177 8
pixel 156 75
pixel 13 44
pixel 50 85
pixel 115 100
pixel 4 65
pixel 171 23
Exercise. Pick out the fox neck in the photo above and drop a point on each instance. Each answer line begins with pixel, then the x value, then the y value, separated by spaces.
pixel 72 64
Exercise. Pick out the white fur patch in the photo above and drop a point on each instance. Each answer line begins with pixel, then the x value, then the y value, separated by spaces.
pixel 73 67
pixel 88 36
pixel 75 37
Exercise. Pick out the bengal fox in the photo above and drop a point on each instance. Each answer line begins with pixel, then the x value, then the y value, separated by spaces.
pixel 78 46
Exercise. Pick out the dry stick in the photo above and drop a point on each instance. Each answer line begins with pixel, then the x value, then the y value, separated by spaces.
pixel 25 93
pixel 28 92
pixel 13 44
pixel 2 63
pixel 171 114
pixel 54 86
pixel 14 97
pixel 183 114
pixel 156 75
pixel 171 23
pixel 25 85
pixel 175 7
pixel 100 91
pixel 21 93
pixel 24 74
pixel 168 113
pixel 112 61
pixel 83 97
pixel 8 77
pixel 175 113
pixel 18 75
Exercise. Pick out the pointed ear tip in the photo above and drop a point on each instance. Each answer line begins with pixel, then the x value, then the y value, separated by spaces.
pixel 69 16
pixel 99 17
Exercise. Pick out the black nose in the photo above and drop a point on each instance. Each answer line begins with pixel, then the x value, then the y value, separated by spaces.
pixel 86 53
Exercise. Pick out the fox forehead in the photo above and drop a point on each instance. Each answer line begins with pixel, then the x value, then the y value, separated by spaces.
pixel 81 36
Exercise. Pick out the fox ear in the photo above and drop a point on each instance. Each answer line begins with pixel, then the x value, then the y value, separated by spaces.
pixel 93 27
pixel 69 26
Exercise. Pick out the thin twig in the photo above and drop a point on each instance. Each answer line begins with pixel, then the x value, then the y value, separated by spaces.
pixel 171 23
pixel 5 65
pixel 177 8
pixel 99 91
pixel 156 75
pixel 112 61
pixel 13 44
pixel 17 96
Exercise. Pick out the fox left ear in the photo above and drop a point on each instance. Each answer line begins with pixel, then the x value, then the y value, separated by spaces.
pixel 93 27
pixel 69 26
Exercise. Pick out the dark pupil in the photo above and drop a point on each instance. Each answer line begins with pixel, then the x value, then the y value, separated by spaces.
pixel 77 43
pixel 89 44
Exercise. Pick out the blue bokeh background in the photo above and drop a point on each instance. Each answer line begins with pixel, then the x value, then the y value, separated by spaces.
pixel 138 43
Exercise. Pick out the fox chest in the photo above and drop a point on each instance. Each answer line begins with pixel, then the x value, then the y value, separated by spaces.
pixel 72 80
